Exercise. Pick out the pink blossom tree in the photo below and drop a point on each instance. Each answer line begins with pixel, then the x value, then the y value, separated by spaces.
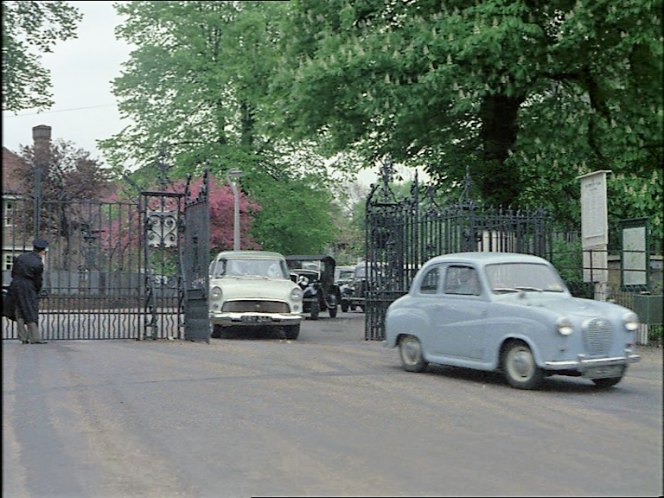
pixel 120 235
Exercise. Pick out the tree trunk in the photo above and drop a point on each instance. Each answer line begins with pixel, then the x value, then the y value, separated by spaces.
pixel 499 184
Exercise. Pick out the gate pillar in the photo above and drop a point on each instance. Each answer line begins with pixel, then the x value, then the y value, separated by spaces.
pixel 195 263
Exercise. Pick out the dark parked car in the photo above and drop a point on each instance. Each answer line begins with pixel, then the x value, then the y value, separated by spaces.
pixel 353 291
pixel 315 275
pixel 343 274
pixel 343 277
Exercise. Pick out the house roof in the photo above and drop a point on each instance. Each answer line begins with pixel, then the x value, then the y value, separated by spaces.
pixel 12 163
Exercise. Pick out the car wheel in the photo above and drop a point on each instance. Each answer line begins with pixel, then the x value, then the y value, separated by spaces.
pixel 292 331
pixel 352 307
pixel 410 350
pixel 344 306
pixel 333 311
pixel 217 330
pixel 607 382
pixel 315 310
pixel 520 368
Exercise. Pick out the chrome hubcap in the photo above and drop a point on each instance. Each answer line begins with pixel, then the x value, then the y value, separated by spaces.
pixel 411 350
pixel 521 363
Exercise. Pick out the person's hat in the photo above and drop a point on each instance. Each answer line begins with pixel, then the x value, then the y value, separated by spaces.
pixel 40 244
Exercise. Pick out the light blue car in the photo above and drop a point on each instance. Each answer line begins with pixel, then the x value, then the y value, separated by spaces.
pixel 508 312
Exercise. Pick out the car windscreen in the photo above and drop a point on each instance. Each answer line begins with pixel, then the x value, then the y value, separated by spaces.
pixel 515 277
pixel 237 267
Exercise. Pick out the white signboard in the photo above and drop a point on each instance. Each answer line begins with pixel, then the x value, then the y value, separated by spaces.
pixel 594 224
pixel 634 256
pixel 594 227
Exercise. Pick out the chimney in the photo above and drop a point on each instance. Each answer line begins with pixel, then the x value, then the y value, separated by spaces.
pixel 41 136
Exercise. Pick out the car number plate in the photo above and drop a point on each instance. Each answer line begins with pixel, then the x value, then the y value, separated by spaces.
pixel 603 372
pixel 256 319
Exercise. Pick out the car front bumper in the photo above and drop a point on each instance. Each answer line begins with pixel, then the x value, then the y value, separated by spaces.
pixel 583 362
pixel 254 319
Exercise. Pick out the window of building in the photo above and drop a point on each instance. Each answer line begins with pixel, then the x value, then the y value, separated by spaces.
pixel 7 261
pixel 8 212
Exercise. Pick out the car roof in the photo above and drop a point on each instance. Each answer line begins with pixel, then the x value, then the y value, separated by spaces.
pixel 250 255
pixel 486 258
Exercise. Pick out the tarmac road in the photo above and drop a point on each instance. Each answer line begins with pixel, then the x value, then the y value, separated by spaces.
pixel 327 415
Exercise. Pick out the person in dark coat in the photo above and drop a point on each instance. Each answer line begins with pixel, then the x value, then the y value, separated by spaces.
pixel 24 289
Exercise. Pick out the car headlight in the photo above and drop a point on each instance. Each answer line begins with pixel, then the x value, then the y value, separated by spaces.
pixel 216 293
pixel 631 321
pixel 564 326
pixel 296 294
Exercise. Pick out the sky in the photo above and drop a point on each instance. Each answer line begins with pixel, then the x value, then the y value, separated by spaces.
pixel 81 73
pixel 82 70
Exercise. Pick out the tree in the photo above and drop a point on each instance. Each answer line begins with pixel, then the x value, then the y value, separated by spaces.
pixel 221 207
pixel 528 94
pixel 198 82
pixel 71 174
pixel 291 220
pixel 221 201
pixel 29 27
pixel 70 180
pixel 119 235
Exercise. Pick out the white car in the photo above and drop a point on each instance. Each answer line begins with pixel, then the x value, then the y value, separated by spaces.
pixel 253 288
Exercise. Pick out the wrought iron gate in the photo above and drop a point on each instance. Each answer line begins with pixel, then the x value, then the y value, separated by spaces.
pixel 162 218
pixel 402 234
pixel 114 270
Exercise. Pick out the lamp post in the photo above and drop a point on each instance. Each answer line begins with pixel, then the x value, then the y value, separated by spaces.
pixel 233 177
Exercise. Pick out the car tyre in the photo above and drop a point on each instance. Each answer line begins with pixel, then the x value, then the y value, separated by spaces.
pixel 217 331
pixel 607 382
pixel 519 366
pixel 315 310
pixel 344 306
pixel 410 350
pixel 292 332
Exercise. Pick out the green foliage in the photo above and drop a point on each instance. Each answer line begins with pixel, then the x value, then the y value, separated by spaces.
pixel 567 257
pixel 197 84
pixel 656 334
pixel 30 28
pixel 295 217
pixel 529 95
pixel 71 174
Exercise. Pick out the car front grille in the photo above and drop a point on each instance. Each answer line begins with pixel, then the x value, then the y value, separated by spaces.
pixel 256 307
pixel 598 336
